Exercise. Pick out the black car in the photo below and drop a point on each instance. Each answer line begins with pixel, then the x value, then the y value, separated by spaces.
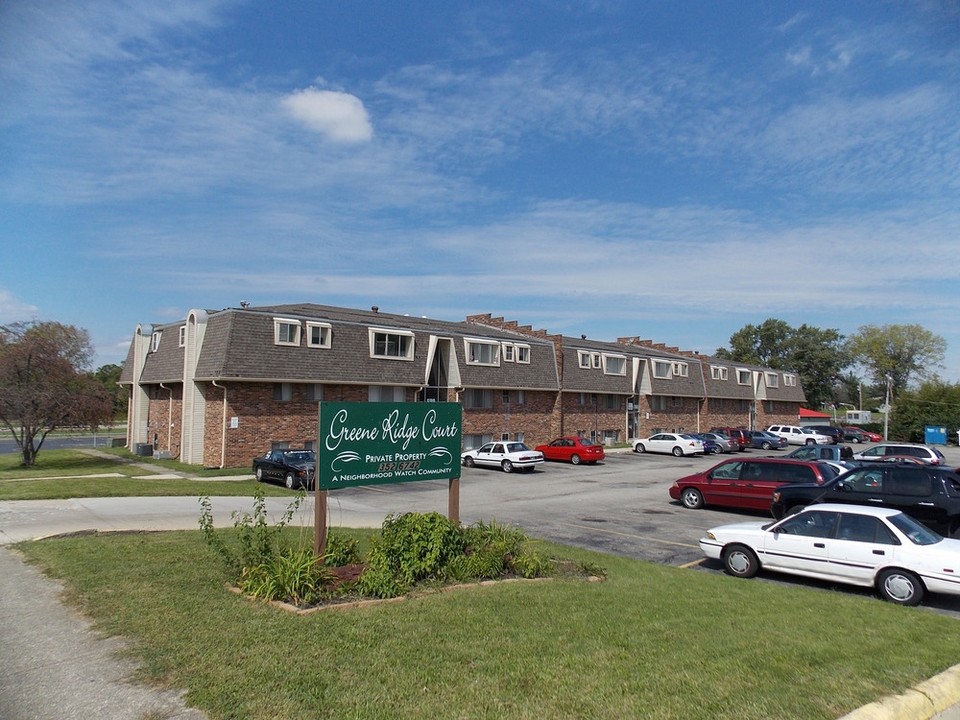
pixel 928 494
pixel 295 468
pixel 833 432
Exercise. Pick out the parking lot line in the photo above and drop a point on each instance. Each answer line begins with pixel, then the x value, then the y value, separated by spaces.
pixel 631 535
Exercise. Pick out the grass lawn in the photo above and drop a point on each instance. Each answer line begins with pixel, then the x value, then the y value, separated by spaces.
pixel 651 642
pixel 61 474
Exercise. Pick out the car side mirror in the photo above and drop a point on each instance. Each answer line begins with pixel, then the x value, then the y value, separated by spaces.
pixel 843 487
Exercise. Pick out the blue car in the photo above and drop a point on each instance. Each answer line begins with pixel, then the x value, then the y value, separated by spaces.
pixel 710 446
pixel 763 440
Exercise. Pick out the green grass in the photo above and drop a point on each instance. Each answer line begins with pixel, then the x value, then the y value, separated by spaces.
pixel 60 474
pixel 651 642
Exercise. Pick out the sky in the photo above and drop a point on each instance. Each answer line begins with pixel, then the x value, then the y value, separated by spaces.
pixel 669 170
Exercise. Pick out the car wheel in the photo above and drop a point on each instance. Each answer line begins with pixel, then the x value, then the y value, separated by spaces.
pixel 289 482
pixel 900 586
pixel 811 442
pixel 468 461
pixel 678 452
pixel 741 561
pixel 639 448
pixel 766 445
pixel 575 459
pixel 259 474
pixel 691 498
pixel 507 466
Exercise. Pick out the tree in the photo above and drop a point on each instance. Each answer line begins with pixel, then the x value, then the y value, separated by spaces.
pixel 44 383
pixel 108 376
pixel 897 353
pixel 817 356
pixel 934 402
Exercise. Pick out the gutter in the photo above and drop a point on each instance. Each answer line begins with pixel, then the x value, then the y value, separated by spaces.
pixel 223 425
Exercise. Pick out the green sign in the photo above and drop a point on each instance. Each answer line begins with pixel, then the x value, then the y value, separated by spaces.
pixel 379 443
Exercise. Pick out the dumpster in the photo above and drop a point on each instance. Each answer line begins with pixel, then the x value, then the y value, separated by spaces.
pixel 935 435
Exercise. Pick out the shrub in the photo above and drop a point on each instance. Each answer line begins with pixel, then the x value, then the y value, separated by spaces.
pixel 294 576
pixel 341 551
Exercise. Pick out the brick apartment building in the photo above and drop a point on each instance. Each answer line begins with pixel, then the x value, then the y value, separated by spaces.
pixel 220 387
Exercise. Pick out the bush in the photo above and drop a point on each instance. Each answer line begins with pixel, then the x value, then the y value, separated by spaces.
pixel 294 576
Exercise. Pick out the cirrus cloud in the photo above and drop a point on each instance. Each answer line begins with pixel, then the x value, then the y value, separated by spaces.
pixel 337 115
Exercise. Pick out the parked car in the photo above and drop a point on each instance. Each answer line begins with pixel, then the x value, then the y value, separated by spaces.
pixel 828 430
pixel 724 442
pixel 763 440
pixel 866 546
pixel 927 493
pixel 745 483
pixel 294 468
pixel 928 454
pixel 834 453
pixel 798 435
pixel 506 455
pixel 678 444
pixel 855 435
pixel 741 436
pixel 710 447
pixel 572 449
pixel 871 436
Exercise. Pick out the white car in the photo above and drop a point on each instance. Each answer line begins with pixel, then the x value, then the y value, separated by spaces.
pixel 506 455
pixel 678 444
pixel 853 544
pixel 798 435
pixel 894 451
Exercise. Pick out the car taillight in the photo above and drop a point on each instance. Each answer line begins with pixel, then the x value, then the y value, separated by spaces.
pixel 776 496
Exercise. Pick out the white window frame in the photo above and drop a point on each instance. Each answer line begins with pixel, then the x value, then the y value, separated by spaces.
pixel 584 358
pixel 773 380
pixel 508 352
pixel 718 372
pixel 155 340
pixel 403 337
pixel 609 360
pixel 681 369
pixel 662 369
pixel 279 324
pixel 596 360
pixel 789 380
pixel 522 353
pixel 182 337
pixel 469 345
pixel 741 374
pixel 326 331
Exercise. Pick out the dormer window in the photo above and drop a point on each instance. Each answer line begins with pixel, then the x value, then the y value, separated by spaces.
pixel 318 335
pixel 155 340
pixel 482 352
pixel 680 369
pixel 773 380
pixel 183 336
pixel 523 354
pixel 584 358
pixel 286 332
pixel 391 344
pixel 614 365
pixel 718 373
pixel 743 377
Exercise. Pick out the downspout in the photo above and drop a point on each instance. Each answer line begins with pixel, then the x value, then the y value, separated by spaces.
pixel 169 416
pixel 223 426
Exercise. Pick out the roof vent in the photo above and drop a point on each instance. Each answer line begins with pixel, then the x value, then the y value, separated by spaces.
pixel 375 308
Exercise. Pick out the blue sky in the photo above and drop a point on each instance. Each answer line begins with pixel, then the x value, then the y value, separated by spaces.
pixel 670 170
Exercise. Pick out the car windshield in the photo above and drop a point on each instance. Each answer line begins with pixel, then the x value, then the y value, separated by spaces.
pixel 301 456
pixel 918 533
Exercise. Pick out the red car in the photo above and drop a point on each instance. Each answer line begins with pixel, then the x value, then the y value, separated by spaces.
pixel 572 449
pixel 871 436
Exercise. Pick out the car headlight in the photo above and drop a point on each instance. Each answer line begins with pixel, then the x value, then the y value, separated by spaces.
pixel 710 535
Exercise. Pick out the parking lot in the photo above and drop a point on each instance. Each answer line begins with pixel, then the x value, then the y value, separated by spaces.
pixel 620 506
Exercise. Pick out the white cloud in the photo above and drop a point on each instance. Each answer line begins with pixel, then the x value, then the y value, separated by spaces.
pixel 337 115
pixel 13 309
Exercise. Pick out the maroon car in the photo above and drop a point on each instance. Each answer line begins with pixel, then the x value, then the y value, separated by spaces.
pixel 746 483
pixel 572 449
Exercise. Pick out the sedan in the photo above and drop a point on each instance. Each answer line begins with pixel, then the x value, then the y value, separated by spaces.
pixel 858 545
pixel 725 443
pixel 572 449
pixel 677 444
pixel 295 468
pixel 763 440
pixel 506 455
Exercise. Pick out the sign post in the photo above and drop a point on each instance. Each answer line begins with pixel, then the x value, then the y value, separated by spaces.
pixel 385 443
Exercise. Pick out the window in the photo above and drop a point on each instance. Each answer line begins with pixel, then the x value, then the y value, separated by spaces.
pixel 789 380
pixel 718 373
pixel 595 359
pixel 516 397
pixel 614 365
pixel 658 402
pixel 523 354
pixel 584 357
pixel 680 369
pixel 662 369
pixel 155 340
pixel 476 398
pixel 318 335
pixel 508 352
pixel 475 441
pixel 393 344
pixel 386 393
pixel 743 377
pixel 313 392
pixel 773 380
pixel 183 336
pixel 282 392
pixel 286 332
pixel 611 402
pixel 481 352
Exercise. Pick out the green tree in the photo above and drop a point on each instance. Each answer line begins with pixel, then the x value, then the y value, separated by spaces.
pixel 933 402
pixel 109 376
pixel 897 353
pixel 817 356
pixel 44 383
